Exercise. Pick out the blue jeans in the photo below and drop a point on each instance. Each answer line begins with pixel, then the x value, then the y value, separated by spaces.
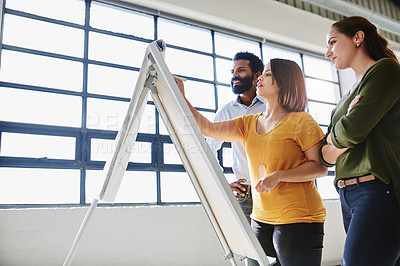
pixel 297 244
pixel 371 217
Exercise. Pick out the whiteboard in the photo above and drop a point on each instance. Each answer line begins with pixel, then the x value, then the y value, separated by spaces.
pixel 221 206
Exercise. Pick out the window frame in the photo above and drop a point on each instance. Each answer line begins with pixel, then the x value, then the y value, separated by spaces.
pixel 83 135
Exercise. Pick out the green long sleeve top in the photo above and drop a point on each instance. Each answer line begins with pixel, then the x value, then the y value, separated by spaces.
pixel 371 130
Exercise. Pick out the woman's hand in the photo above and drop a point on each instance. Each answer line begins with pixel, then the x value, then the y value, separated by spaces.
pixel 329 152
pixel 238 188
pixel 329 139
pixel 353 103
pixel 268 182
pixel 179 82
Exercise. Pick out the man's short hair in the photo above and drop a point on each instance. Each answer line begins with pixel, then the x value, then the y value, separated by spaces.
pixel 255 62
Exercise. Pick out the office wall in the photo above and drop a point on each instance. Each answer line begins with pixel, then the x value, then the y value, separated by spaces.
pixel 267 19
pixel 159 235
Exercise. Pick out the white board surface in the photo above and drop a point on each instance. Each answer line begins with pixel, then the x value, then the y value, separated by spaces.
pixel 214 192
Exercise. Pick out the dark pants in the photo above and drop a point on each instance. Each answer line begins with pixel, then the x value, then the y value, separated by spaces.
pixel 298 244
pixel 371 217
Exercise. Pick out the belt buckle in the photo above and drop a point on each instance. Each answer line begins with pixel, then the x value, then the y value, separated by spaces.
pixel 341 184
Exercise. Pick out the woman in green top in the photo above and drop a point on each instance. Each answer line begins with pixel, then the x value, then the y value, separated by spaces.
pixel 363 140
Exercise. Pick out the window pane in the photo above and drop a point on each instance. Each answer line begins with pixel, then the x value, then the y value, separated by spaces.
pixel 120 20
pixel 67 10
pixel 40 107
pixel 209 115
pixel 230 178
pixel 111 81
pixel 104 149
pixel 106 114
pixel 171 155
pixel 43 36
pixel 227 45
pixel 136 187
pixel 227 157
pixel 321 112
pixel 148 123
pixel 326 188
pixel 181 63
pixel 163 130
pixel 42 71
pixel 324 129
pixel 177 187
pixel 224 70
pixel 141 152
pixel 319 68
pixel 200 94
pixel 38 186
pixel 322 90
pixel 270 52
pixel 225 95
pixel 195 38
pixel 37 146
pixel 109 115
pixel 116 50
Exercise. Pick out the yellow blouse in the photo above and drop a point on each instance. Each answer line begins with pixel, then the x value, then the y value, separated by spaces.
pixel 279 149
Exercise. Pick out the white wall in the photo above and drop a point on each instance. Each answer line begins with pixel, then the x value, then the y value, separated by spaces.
pixel 179 235
pixel 266 19
pixel 160 235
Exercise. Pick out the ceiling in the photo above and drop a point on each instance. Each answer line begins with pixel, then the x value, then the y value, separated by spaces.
pixel 385 14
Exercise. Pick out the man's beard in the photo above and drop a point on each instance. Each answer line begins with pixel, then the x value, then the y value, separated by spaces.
pixel 245 85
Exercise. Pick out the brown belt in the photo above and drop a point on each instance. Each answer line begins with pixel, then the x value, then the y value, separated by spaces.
pixel 353 181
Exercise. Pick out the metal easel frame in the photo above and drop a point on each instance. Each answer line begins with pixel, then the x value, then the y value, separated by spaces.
pixel 222 209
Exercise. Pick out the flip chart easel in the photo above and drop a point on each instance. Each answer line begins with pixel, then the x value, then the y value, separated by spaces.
pixel 222 209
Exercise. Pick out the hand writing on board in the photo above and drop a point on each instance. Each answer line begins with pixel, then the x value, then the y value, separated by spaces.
pixel 179 82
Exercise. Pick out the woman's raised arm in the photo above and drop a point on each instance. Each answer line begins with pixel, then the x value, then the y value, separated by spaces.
pixel 225 131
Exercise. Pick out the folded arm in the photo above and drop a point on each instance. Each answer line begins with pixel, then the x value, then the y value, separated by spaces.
pixel 379 90
pixel 329 152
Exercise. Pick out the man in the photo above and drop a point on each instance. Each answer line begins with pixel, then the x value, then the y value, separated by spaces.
pixel 247 67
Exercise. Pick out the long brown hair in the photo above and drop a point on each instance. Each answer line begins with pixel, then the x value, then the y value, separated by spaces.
pixel 375 44
pixel 290 80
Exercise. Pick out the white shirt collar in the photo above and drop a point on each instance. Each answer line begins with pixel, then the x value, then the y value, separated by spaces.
pixel 255 100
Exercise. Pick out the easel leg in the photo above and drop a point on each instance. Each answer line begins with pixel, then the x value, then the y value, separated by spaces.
pixel 78 237
pixel 229 257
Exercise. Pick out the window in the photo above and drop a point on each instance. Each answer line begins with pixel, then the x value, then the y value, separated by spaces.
pixel 22 68
pixel 196 38
pixel 37 146
pixel 68 70
pixel 37 186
